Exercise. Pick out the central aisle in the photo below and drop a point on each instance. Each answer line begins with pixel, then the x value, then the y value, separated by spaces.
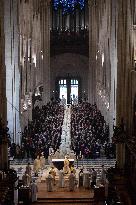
pixel 66 132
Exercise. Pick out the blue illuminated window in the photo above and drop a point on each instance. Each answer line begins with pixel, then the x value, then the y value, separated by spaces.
pixel 68 5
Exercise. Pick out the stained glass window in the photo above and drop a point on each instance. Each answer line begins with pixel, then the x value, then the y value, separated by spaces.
pixel 68 6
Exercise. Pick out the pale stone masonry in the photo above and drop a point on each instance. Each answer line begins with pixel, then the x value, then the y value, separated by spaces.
pixel 27 58
pixel 112 55
pixel 12 67
pixel 2 66
pixel 25 61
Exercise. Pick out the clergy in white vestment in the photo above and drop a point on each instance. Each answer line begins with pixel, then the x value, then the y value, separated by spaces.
pixel 16 192
pixel 72 181
pixel 66 165
pixel 61 178
pixel 63 100
pixel 86 178
pixel 34 190
pixel 26 179
pixel 94 177
pixel 37 165
pixel 28 169
pixel 103 175
pixel 106 188
pixel 81 177
pixel 51 151
pixel 49 181
pixel 57 154
pixel 50 159
pixel 72 155
pixel 42 161
pixel 53 173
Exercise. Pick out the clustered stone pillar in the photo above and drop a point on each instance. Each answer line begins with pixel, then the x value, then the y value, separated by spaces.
pixel 45 39
pixel 125 54
pixel 31 57
pixel 3 141
pixel 120 155
pixel 92 51
pixel 110 61
pixel 12 67
pixel 2 67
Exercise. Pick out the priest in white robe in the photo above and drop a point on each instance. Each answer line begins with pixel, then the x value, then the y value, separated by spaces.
pixel 66 165
pixel 26 179
pixel 103 175
pixel 72 181
pixel 34 191
pixel 42 161
pixel 37 165
pixel 28 169
pixel 61 178
pixel 16 192
pixel 49 181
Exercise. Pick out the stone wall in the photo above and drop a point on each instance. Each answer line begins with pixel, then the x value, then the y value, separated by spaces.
pixel 2 66
pixel 71 64
pixel 12 67
pixel 34 30
pixel 103 57
pixel 30 56
pixel 112 54
pixel 45 41
pixel 3 142
pixel 26 25
pixel 125 56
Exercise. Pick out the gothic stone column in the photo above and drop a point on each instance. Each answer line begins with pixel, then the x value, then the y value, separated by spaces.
pixel 45 27
pixel 3 143
pixel 92 51
pixel 120 155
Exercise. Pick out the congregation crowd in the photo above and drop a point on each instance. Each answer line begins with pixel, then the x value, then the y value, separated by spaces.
pixel 89 132
pixel 89 138
pixel 42 133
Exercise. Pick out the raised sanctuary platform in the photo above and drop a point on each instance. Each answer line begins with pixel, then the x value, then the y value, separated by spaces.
pixel 59 163
pixel 60 195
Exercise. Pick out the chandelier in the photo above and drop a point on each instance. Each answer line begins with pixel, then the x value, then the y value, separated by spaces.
pixel 68 6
